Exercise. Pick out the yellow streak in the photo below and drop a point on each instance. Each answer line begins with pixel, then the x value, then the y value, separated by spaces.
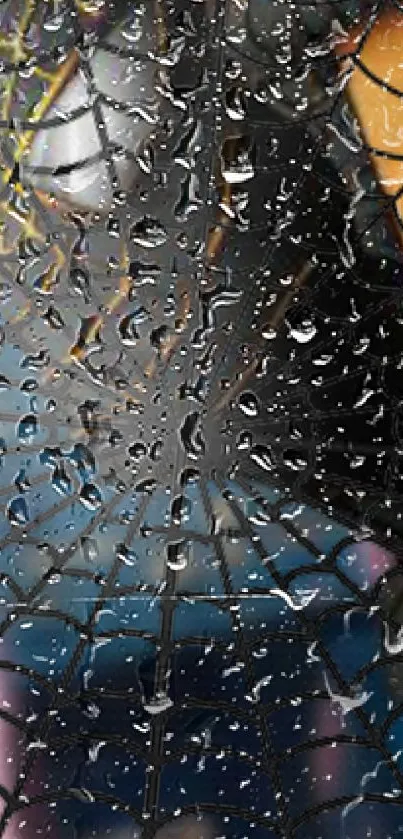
pixel 15 44
pixel 22 313
pixel 40 110
pixel 216 237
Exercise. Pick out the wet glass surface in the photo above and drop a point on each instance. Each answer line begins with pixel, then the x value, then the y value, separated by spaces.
pixel 201 604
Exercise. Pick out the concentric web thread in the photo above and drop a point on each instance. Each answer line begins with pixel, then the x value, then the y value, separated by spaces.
pixel 200 378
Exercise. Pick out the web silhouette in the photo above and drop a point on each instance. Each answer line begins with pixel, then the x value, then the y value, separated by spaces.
pixel 201 424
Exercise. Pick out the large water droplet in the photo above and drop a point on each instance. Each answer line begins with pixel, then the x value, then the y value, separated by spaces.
pixel 5 383
pixel 148 233
pixel 125 555
pixel 248 403
pixel 90 496
pixel 89 548
pixel 17 511
pixel 36 361
pixel 295 460
pixel 191 436
pixel 27 428
pixel 82 458
pixel 46 282
pixel 180 510
pixel 304 332
pixel 237 160
pixel 178 555
pixel 80 281
pixel 261 455
pixel 137 450
pixel 235 103
pixel 61 481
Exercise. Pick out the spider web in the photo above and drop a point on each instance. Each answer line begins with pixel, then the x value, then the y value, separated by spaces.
pixel 201 434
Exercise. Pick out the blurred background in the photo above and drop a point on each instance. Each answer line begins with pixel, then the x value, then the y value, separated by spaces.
pixel 200 419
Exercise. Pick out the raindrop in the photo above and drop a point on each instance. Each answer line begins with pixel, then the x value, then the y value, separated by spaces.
pixel 235 103
pixel 90 496
pixel 125 555
pixel 249 403
pixel 137 450
pixel 189 200
pixel 189 476
pixel 181 510
pixel 113 227
pixel 36 362
pixel 295 460
pixel 53 318
pixel 28 250
pixel 303 333
pixel 80 249
pixel 6 292
pixel 21 481
pixel 261 455
pixel 27 428
pixel 148 485
pixel 191 436
pixel 49 456
pixel 269 332
pixel 177 554
pixel 82 794
pixel 157 705
pixel 145 159
pixel 148 233
pixel 189 145
pixel 244 440
pixel 132 30
pixel 89 548
pixel 156 450
pixel 237 160
pixel 127 331
pixel 80 281
pixel 82 458
pixel 17 511
pixel 46 282
pixel 60 480
pixel 53 23
pixel 347 703
pixel 29 385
